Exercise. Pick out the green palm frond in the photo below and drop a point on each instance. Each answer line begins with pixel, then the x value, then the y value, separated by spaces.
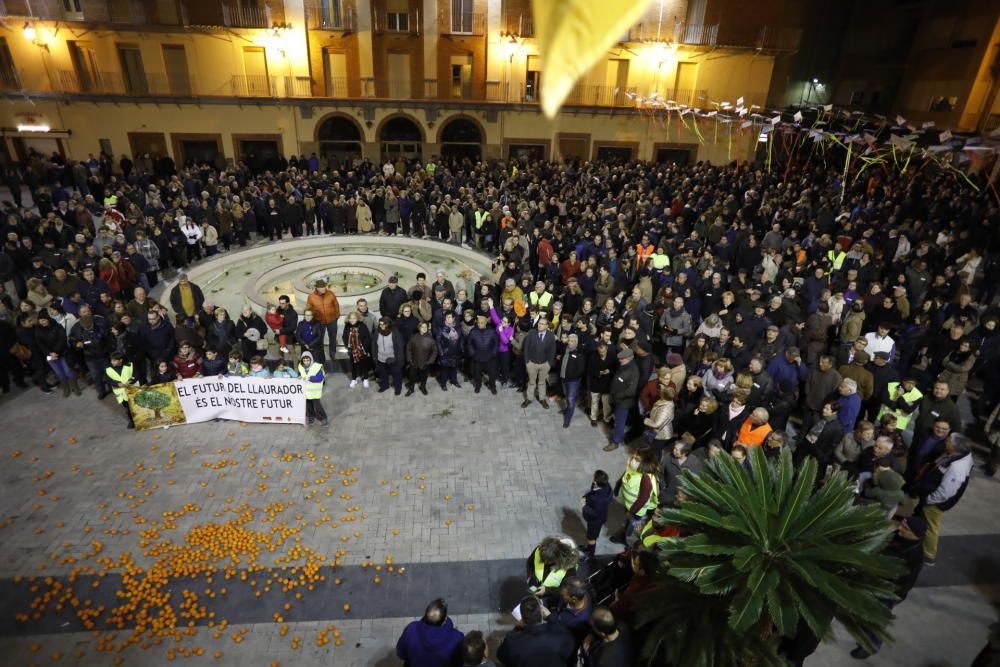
pixel 767 555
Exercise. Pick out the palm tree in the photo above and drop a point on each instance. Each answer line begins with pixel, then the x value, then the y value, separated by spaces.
pixel 767 555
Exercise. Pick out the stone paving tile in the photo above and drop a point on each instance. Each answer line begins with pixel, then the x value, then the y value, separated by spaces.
pixel 519 468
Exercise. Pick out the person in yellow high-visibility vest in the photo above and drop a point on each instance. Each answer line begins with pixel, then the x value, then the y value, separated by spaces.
pixel 120 377
pixel 836 257
pixel 656 529
pixel 312 374
pixel 639 490
pixel 553 560
pixel 901 399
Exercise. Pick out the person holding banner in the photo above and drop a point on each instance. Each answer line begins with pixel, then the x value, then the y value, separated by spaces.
pixel 312 374
pixel 119 377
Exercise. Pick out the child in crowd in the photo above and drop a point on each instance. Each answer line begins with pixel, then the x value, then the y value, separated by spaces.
pixel 213 364
pixel 283 370
pixel 312 373
pixel 595 511
pixel 187 362
pixel 236 366
pixel 275 320
pixel 164 373
pixel 257 368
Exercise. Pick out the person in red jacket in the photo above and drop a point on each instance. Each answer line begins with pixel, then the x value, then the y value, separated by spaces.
pixel 187 362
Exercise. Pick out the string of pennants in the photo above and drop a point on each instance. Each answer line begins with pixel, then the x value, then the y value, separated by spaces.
pixel 868 140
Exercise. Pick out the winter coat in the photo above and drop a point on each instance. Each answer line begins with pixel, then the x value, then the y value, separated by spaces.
pixel 421 351
pixel 849 448
pixel 364 218
pixel 597 501
pixel 661 419
pixel 819 387
pixel 426 645
pixel 482 345
pixel 956 373
pixel 624 385
pixel 449 342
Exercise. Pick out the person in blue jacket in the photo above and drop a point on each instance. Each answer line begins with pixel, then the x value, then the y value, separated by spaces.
pixel 432 641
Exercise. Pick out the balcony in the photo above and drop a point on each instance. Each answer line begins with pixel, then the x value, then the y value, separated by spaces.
pixel 692 98
pixel 263 85
pixel 392 89
pixel 520 25
pixel 10 79
pixel 407 23
pixel 601 96
pixel 330 15
pixel 696 34
pixel 652 31
pixel 128 12
pixel 115 83
pixel 464 23
pixel 246 17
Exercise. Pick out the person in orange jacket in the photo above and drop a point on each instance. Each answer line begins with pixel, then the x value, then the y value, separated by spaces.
pixel 326 309
pixel 755 429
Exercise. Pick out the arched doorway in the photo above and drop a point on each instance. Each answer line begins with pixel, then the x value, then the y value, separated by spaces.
pixel 400 136
pixel 339 140
pixel 462 138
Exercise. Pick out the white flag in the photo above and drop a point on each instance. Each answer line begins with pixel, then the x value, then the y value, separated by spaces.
pixel 900 120
pixel 739 101
pixel 798 116
pixel 776 120
pixel 944 136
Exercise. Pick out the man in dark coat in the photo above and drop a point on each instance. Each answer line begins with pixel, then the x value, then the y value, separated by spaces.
pixel 389 351
pixel 482 346
pixel 391 299
pixel 623 392
pixel 432 641
pixel 536 643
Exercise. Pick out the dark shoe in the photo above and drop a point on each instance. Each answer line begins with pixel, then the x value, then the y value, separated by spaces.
pixel 423 389
pixel 399 391
pixel 565 423
pixel 130 425
pixel 455 384
pixel 617 538
pixel 611 446
pixel 310 420
pixel 543 403
pixel 409 391
pixel 46 389
pixel 988 470
pixel 326 422
pixel 444 387
pixel 525 403
pixel 593 422
pixel 493 389
pixel 102 396
pixel 860 654
pixel 929 562
pixel 477 390
pixel 381 389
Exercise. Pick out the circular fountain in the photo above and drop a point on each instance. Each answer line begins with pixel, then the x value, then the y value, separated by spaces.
pixel 354 267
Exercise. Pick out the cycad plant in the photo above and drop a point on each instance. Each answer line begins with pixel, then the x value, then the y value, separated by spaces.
pixel 766 554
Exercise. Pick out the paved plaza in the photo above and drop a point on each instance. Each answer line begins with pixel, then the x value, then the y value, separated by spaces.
pixel 400 500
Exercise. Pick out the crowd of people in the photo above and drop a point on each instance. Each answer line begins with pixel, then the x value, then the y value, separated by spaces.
pixel 688 311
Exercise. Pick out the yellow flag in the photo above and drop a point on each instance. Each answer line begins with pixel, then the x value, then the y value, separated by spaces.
pixel 575 34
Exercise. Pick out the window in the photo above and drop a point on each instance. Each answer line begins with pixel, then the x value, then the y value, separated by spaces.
pixel 9 80
pixel 178 76
pixel 857 97
pixel 84 61
pixel 461 16
pixel 398 22
pixel 331 14
pixel 398 16
pixel 532 79
pixel 133 74
pixel 72 9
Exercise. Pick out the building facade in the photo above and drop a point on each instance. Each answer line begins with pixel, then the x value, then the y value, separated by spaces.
pixel 224 80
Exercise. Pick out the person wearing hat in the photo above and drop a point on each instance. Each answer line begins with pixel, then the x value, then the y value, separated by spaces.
pixel 623 393
pixel 907 545
pixel 312 375
pixel 392 299
pixel 326 310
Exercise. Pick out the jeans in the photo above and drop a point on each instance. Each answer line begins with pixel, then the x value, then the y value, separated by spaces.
pixel 96 366
pixel 571 390
pixel 621 421
pixel 384 371
pixel 537 380
pixel 62 370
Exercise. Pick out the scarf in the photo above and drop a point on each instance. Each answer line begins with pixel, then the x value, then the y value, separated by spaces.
pixel 358 352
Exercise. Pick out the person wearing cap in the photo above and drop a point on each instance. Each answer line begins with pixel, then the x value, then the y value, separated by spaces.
pixel 326 310
pixel 622 394
pixel 392 299
pixel 908 546
pixel 312 375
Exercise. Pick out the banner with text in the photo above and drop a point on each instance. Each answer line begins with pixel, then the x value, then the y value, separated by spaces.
pixel 246 399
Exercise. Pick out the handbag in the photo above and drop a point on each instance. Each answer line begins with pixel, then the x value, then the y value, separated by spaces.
pixel 262 345
pixel 21 352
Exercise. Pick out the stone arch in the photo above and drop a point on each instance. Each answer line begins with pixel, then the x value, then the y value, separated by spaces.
pixel 337 114
pixel 338 149
pixel 462 136
pixel 406 140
